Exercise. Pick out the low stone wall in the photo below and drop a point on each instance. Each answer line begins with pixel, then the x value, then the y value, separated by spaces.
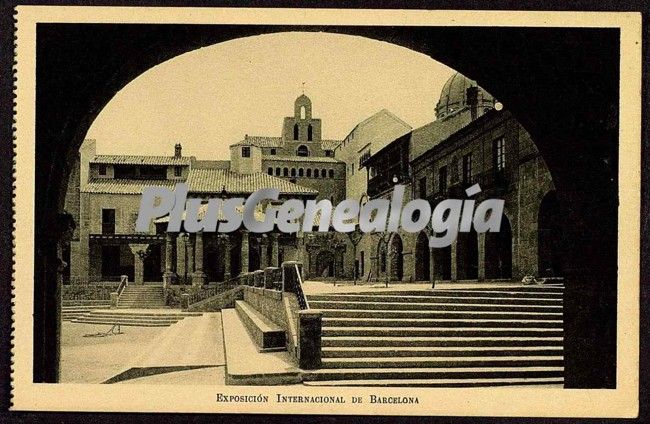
pixel 218 302
pixel 173 294
pixel 90 291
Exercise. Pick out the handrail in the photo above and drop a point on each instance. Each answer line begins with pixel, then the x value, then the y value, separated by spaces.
pixel 213 291
pixel 302 299
pixel 124 281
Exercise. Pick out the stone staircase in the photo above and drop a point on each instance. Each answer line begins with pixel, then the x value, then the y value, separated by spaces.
pixel 445 338
pixel 133 318
pixel 69 313
pixel 142 297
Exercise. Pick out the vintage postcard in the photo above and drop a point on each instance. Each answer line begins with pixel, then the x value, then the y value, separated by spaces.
pixel 310 211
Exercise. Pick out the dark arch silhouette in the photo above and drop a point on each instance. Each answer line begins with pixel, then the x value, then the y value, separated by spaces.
pixel 422 257
pixel 549 236
pixel 396 258
pixel 81 67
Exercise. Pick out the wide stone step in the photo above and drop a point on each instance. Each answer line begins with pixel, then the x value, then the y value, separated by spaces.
pixel 454 293
pixel 425 351
pixel 440 332
pixel 441 322
pixel 125 323
pixel 266 334
pixel 375 341
pixel 131 318
pixel 379 313
pixel 437 299
pixel 444 362
pixel 437 373
pixel 441 382
pixel 433 306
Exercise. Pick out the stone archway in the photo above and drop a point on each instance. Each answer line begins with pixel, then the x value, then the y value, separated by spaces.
pixel 467 255
pixel 325 264
pixel 575 115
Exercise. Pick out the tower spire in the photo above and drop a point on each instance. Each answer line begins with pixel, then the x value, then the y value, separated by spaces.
pixel 303 87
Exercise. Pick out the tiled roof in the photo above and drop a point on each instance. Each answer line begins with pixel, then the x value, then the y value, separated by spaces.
pixel 304 159
pixel 329 144
pixel 260 141
pixel 239 210
pixel 141 160
pixel 213 181
pixel 211 164
pixel 428 136
pixel 112 186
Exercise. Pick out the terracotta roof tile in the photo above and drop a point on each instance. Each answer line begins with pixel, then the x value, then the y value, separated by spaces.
pixel 213 181
pixel 112 186
pixel 141 160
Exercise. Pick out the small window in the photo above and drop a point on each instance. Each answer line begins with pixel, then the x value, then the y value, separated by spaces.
pixel 329 153
pixel 246 152
pixel 178 171
pixel 295 131
pixel 302 151
pixel 102 169
pixel 303 112
pixel 323 173
pixel 310 132
pixel 301 172
pixel 273 152
pixel 277 172
pixel 270 171
pixel 285 172
pixel 315 173
pixel 422 186
pixel 330 173
pixel 499 150
pixel 308 172
pixel 293 172
pixel 442 180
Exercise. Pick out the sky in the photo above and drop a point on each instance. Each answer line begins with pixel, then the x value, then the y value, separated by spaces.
pixel 210 98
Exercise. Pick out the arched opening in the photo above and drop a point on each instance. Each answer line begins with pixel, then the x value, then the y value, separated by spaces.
pixel 296 131
pixel 330 173
pixel 269 171
pixel 303 113
pixel 308 172
pixel 396 258
pixel 498 252
pixel 285 172
pixel 325 266
pixel 152 271
pixel 549 237
pixel 301 172
pixel 302 150
pixel 323 173
pixel 310 131
pixel 422 258
pixel 315 173
pixel 277 172
pixel 467 255
pixel 442 263
pixel 254 249
pixel 293 172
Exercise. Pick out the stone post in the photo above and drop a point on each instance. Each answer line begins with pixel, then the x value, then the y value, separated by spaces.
pixel 263 251
pixel 309 339
pixel 114 298
pixel 454 260
pixel 243 260
pixel 275 249
pixel 190 254
pixel 432 267
pixel 481 256
pixel 139 254
pixel 270 277
pixel 198 277
pixel 169 275
pixel 258 278
pixel 289 276
pixel 185 301
pixel 226 256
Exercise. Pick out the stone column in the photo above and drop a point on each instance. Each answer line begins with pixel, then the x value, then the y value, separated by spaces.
pixel 275 249
pixel 432 267
pixel 190 254
pixel 263 246
pixel 139 254
pixel 309 339
pixel 169 275
pixel 243 258
pixel 198 277
pixel 481 256
pixel 225 238
pixel 454 261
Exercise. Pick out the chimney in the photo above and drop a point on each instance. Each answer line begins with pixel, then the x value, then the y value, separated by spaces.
pixel 177 150
pixel 472 101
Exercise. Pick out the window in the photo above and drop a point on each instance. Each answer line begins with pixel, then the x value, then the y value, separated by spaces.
pixel 309 132
pixel 246 152
pixel 303 112
pixel 352 168
pixel 295 131
pixel 293 172
pixel 273 152
pixel 315 173
pixel 330 173
pixel 102 169
pixel 442 180
pixel 108 221
pixel 285 172
pixel 329 153
pixel 323 173
pixel 364 157
pixel 467 169
pixel 178 171
pixel 277 172
pixel 309 173
pixel 301 172
pixel 499 149
pixel 302 150
pixel 270 171
pixel 422 186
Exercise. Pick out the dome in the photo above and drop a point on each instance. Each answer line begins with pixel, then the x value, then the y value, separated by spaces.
pixel 453 96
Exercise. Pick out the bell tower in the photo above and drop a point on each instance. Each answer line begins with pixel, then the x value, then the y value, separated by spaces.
pixel 301 126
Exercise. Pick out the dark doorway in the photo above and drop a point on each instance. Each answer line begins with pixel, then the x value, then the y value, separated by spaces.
pixel 549 239
pixel 111 261
pixel 396 258
pixel 152 261
pixel 498 252
pixel 422 258
pixel 467 256
pixel 442 263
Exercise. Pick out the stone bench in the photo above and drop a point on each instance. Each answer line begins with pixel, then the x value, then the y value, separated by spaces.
pixel 267 335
